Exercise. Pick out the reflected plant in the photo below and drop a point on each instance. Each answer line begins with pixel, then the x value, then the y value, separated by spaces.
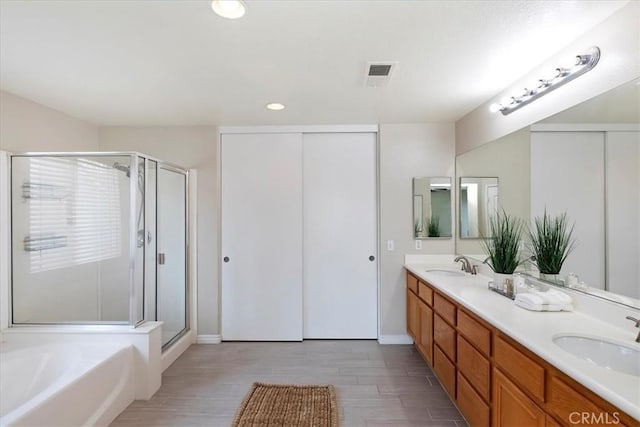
pixel 502 247
pixel 551 242
pixel 417 227
pixel 433 226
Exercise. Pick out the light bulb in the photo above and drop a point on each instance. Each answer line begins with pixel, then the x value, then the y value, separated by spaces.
pixel 495 107
pixel 231 9
pixel 275 106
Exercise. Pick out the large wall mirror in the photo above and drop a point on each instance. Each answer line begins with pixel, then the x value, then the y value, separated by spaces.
pixel 432 208
pixel 584 161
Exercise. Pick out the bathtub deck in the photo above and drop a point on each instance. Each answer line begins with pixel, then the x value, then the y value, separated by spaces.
pixel 375 385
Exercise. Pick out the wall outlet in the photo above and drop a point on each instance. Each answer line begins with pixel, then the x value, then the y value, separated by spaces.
pixel 390 245
pixel 418 244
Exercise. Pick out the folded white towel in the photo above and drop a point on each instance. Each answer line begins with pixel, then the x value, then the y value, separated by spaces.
pixel 550 300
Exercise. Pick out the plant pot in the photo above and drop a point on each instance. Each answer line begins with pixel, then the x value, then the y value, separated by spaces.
pixel 550 277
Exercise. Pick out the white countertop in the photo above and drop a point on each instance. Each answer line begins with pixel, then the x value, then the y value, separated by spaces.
pixel 535 331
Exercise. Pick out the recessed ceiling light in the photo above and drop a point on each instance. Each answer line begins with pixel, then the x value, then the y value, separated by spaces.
pixel 231 9
pixel 275 106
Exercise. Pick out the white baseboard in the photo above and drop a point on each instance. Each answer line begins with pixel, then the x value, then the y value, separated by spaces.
pixel 176 349
pixel 208 339
pixel 395 339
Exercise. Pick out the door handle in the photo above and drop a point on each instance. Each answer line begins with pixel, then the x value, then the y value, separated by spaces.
pixel 161 258
pixel 225 259
pixel 372 258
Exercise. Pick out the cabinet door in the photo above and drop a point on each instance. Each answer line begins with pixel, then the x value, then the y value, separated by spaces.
pixel 261 237
pixel 413 324
pixel 424 339
pixel 511 407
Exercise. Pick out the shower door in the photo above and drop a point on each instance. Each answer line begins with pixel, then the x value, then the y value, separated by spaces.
pixel 171 288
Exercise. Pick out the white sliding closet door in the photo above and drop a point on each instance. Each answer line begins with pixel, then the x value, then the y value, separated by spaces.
pixel 262 237
pixel 340 279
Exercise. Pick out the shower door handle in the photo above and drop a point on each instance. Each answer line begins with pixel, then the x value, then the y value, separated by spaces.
pixel 161 258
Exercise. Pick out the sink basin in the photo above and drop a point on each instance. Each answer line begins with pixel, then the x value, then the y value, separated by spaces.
pixel 600 352
pixel 442 272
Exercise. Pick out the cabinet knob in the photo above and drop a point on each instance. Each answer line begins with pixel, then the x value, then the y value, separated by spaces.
pixel 225 259
pixel 372 258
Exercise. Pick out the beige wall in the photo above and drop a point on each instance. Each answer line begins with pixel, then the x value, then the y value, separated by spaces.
pixel 406 150
pixel 27 126
pixel 190 147
pixel 619 40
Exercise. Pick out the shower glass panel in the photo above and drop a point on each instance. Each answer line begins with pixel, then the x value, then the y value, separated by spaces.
pixel 150 258
pixel 70 239
pixel 140 240
pixel 171 288
pixel 99 238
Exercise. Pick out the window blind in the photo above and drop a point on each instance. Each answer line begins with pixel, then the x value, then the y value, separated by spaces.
pixel 74 213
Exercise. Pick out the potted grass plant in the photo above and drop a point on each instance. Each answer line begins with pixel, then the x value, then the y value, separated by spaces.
pixel 551 243
pixel 503 247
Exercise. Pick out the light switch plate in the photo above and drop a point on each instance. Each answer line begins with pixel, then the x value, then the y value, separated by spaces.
pixel 418 244
pixel 390 245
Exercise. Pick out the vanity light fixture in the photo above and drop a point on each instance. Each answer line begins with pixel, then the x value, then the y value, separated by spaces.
pixel 562 75
pixel 275 106
pixel 230 9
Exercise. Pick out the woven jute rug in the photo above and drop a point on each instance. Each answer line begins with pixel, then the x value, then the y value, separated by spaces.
pixel 288 405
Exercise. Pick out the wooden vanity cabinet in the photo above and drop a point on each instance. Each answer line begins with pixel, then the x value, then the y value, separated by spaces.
pixel 494 380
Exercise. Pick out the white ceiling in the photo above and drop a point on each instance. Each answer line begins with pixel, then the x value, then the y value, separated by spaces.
pixel 172 62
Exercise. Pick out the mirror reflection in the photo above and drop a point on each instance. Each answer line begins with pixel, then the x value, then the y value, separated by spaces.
pixel 478 204
pixel 584 161
pixel 432 207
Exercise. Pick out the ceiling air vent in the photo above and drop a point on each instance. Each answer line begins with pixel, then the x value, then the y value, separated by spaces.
pixel 377 74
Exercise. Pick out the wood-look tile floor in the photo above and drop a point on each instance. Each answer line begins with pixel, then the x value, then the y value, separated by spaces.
pixel 375 385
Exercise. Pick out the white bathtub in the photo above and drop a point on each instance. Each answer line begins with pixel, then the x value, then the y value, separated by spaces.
pixel 64 384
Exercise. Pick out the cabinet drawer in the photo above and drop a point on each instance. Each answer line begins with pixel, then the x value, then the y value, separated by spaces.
pixel 570 407
pixel 412 283
pixel 445 370
pixel 474 332
pixel 445 336
pixel 444 308
pixel 527 373
pixel 475 367
pixel 474 409
pixel 425 293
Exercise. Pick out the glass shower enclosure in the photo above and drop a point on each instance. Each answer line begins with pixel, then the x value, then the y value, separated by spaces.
pixel 99 239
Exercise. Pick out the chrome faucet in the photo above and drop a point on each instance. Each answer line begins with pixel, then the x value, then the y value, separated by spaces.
pixel 466 265
pixel 633 319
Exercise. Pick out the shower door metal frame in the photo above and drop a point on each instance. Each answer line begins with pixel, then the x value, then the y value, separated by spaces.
pixel 134 312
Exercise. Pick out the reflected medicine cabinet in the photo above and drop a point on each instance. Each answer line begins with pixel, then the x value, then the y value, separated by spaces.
pixel 432 208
